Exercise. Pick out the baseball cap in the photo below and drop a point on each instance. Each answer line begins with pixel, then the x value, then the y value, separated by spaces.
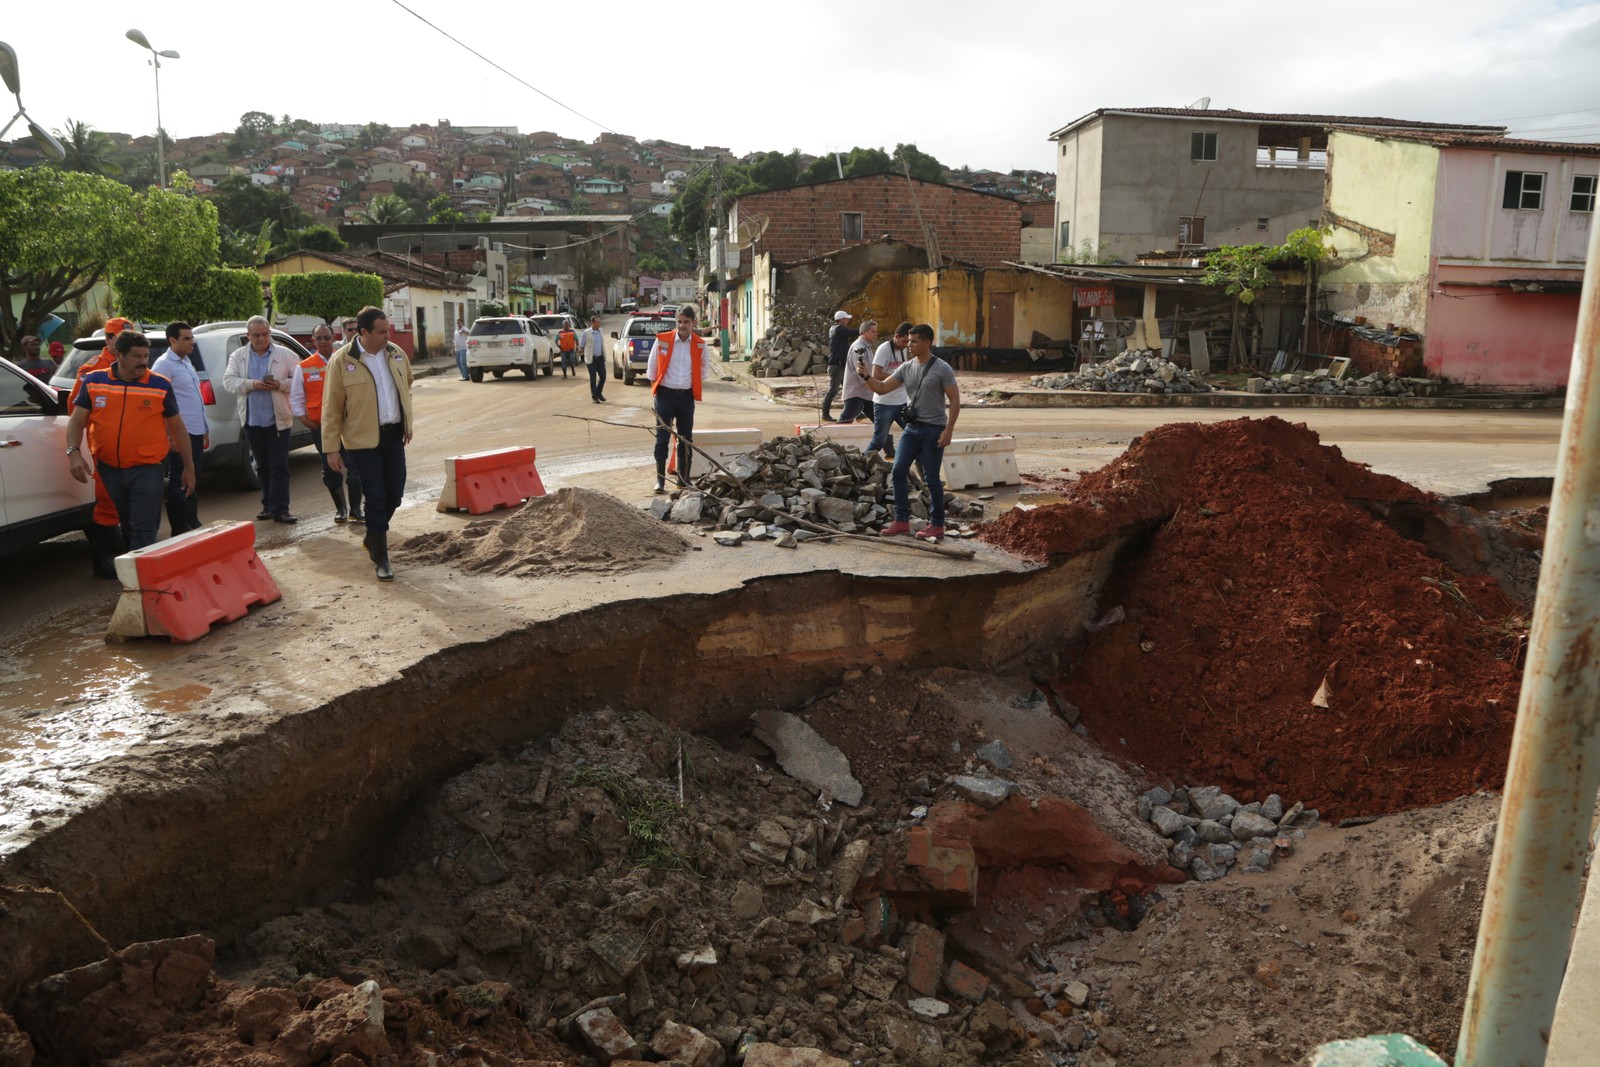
pixel 841 316
pixel 116 326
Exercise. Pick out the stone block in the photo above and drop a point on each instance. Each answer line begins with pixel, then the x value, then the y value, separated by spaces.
pixel 924 948
pixel 964 982
pixel 685 1044
pixel 606 1037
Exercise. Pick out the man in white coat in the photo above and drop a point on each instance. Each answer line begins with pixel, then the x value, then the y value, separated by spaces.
pixel 260 374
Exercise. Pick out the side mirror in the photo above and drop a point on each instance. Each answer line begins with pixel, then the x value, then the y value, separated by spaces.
pixel 614 336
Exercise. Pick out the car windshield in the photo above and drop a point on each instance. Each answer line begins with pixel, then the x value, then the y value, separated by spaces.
pixel 498 328
pixel 647 327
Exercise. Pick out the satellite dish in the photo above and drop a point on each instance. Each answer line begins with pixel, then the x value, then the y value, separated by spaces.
pixel 750 230
pixel 1200 104
pixel 478 266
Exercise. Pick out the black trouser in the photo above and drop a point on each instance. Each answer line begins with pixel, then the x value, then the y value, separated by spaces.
pixel 674 413
pixel 269 448
pixel 383 475
pixel 183 510
pixel 835 382
pixel 332 478
pixel 597 378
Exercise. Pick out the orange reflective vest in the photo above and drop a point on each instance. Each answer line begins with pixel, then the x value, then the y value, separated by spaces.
pixel 567 340
pixel 104 359
pixel 697 349
pixel 312 374
pixel 127 420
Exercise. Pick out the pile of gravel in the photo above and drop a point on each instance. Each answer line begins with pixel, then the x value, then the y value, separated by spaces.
pixel 1211 833
pixel 1129 372
pixel 1319 383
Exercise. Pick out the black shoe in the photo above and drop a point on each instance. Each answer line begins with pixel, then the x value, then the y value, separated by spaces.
pixel 285 518
pixel 380 556
pixel 355 514
pixel 340 514
pixel 661 483
pixel 264 516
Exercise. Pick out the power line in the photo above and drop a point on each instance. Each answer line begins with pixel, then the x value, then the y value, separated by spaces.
pixel 1549 114
pixel 498 67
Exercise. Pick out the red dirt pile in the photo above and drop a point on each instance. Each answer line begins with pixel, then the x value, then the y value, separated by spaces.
pixel 1268 589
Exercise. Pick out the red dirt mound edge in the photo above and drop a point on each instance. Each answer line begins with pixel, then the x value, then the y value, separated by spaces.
pixel 1266 578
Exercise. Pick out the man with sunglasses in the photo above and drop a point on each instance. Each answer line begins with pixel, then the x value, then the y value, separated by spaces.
pixel 930 384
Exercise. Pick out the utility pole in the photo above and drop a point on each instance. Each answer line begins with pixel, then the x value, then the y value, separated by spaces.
pixel 719 258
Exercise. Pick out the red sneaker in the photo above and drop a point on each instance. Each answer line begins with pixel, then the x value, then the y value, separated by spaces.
pixel 895 529
pixel 931 533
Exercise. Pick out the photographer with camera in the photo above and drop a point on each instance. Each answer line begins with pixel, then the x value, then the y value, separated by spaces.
pixel 929 382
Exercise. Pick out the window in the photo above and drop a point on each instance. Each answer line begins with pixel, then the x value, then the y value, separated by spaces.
pixel 1203 147
pixel 539 251
pixel 1583 190
pixel 1191 230
pixel 852 225
pixel 1066 236
pixel 1261 225
pixel 1524 190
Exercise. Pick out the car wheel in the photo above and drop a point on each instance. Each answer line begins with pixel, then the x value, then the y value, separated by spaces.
pixel 616 374
pixel 499 373
pixel 549 369
pixel 530 371
pixel 243 473
pixel 476 374
pixel 627 376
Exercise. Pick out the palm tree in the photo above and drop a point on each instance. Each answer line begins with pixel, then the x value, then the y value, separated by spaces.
pixel 87 149
pixel 387 209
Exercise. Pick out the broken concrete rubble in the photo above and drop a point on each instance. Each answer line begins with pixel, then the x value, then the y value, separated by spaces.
pixel 1322 383
pixel 802 478
pixel 803 754
pixel 1127 373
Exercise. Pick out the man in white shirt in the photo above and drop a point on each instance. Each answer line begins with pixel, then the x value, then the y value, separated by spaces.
pixel 183 507
pixel 592 345
pixel 678 365
pixel 461 348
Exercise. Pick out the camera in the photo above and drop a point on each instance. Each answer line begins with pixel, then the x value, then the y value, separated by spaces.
pixel 909 414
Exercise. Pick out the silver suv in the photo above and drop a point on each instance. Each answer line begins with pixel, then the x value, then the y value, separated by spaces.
pixel 497 345
pixel 229 451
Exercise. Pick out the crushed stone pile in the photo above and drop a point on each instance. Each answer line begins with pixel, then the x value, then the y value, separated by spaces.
pixel 835 486
pixel 1276 634
pixel 781 354
pixel 568 531
pixel 1320 383
pixel 1129 372
pixel 1213 834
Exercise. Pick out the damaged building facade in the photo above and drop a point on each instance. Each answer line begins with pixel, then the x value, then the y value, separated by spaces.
pixel 1475 243
pixel 1130 180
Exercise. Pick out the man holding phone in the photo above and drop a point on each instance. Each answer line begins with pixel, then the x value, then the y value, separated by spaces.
pixel 260 373
pixel 857 369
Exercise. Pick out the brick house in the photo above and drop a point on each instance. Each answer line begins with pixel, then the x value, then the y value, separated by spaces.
pixel 808 220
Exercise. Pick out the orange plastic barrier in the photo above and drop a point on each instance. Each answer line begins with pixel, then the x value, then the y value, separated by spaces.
pixel 183 586
pixel 482 481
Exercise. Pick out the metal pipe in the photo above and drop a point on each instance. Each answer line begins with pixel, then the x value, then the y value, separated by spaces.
pixel 1537 867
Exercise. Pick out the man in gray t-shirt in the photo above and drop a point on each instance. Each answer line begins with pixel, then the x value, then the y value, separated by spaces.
pixel 930 384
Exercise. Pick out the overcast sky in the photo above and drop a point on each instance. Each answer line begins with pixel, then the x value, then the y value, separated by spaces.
pixel 976 84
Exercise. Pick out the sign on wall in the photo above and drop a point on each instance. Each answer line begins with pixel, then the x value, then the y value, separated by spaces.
pixel 1094 296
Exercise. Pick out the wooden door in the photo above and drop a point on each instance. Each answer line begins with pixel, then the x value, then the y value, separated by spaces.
pixel 1002 320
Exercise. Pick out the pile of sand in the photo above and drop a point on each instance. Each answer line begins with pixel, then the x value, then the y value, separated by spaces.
pixel 569 531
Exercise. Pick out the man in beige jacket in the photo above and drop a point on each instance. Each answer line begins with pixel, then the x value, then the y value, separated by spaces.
pixel 259 373
pixel 366 411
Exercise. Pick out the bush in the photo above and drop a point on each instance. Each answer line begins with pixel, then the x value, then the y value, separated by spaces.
pixel 326 294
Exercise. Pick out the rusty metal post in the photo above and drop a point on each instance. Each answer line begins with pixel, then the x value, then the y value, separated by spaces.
pixel 1537 868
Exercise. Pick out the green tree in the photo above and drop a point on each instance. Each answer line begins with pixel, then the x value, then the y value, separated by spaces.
pixel 775 170
pixel 313 239
pixel 1088 251
pixel 88 150
pixel 215 294
pixel 386 209
pixel 695 205
pixel 921 164
pixel 251 135
pixel 326 294
pixel 651 263
pixel 62 233
pixel 246 248
pixel 373 134
pixel 485 216
pixel 344 163
pixel 441 209
pixel 594 276
pixel 243 205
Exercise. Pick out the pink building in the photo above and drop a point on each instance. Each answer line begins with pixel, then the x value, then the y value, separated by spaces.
pixel 1476 243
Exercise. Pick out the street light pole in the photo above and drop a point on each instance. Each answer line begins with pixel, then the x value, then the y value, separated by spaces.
pixel 142 41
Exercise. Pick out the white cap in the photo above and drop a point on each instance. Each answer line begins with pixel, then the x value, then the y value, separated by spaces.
pixel 841 316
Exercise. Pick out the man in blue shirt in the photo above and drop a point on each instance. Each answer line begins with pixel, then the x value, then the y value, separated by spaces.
pixel 260 373
pixel 183 508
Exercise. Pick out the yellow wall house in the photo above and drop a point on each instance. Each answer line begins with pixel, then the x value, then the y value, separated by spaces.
pixel 971 307
pixel 418 298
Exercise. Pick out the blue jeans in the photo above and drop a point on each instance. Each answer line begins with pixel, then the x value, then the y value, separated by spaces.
pixel 269 448
pixel 136 492
pixel 883 416
pixel 569 361
pixel 854 408
pixel 919 444
pixel 383 475
pixel 597 378
pixel 675 409
pixel 183 510
pixel 461 363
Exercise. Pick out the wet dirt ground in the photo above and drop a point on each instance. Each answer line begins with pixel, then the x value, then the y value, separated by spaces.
pixel 81 718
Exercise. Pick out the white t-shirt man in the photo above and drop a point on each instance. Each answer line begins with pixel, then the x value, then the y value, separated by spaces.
pixel 888 357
